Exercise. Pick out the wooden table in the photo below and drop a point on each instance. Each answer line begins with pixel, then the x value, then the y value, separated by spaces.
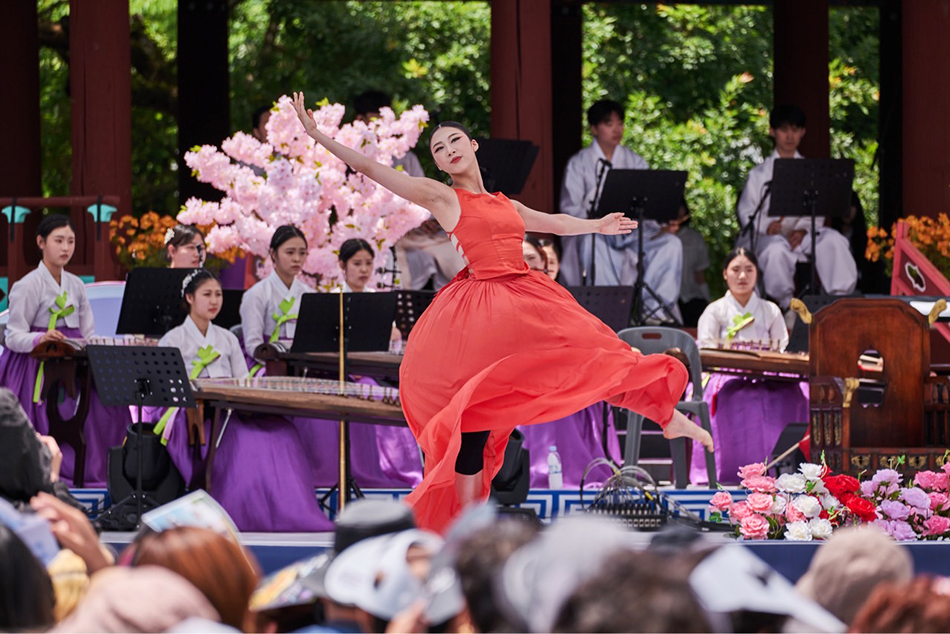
pixel 279 361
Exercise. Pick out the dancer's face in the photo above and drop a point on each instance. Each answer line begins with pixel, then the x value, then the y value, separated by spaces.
pixel 740 276
pixel 453 152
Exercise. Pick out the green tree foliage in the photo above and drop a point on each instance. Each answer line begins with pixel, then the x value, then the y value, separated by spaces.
pixel 697 84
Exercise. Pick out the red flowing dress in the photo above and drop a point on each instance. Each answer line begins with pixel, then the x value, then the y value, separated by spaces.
pixel 502 346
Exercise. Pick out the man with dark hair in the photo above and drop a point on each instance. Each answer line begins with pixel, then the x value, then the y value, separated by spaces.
pixel 259 123
pixel 425 253
pixel 780 243
pixel 615 257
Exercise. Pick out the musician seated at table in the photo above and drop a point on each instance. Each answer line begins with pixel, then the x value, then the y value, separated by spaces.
pixel 270 308
pixel 742 316
pixel 747 413
pixel 261 473
pixel 185 247
pixel 49 304
pixel 579 438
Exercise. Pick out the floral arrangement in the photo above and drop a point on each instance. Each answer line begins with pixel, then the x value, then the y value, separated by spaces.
pixel 291 179
pixel 931 237
pixel 140 241
pixel 810 504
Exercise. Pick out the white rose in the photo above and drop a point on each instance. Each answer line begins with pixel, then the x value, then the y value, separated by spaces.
pixel 820 529
pixel 778 506
pixel 809 506
pixel 797 532
pixel 791 483
pixel 829 502
pixel 818 487
pixel 810 471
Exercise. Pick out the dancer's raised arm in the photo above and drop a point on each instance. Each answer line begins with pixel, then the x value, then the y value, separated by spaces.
pixel 431 194
pixel 565 225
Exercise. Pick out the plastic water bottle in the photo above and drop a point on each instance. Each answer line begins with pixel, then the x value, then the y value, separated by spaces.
pixel 555 475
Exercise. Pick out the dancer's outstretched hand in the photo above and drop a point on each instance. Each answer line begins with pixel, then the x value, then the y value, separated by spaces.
pixel 616 224
pixel 304 114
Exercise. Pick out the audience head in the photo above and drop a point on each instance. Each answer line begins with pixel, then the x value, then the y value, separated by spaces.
pixel 202 294
pixel 211 562
pixel 635 592
pixel 740 269
pixel 356 261
pixel 259 119
pixel 288 250
pixel 534 254
pixel 845 570
pixel 366 518
pixel 909 606
pixel 787 128
pixel 184 247
pixel 146 599
pixel 26 592
pixel 367 105
pixel 539 577
pixel 25 462
pixel 479 562
pixel 56 239
pixel 70 580
pixel 605 119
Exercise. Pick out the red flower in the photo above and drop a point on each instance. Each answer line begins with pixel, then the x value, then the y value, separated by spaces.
pixel 864 510
pixel 841 485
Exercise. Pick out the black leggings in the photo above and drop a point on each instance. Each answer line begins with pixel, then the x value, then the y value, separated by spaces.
pixel 471 456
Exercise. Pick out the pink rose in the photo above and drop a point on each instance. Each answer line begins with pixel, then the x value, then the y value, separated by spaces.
pixel 754 527
pixel 721 501
pixel 938 501
pixel 937 525
pixel 946 467
pixel 931 480
pixel 739 511
pixel 751 470
pixel 760 484
pixel 794 514
pixel 760 502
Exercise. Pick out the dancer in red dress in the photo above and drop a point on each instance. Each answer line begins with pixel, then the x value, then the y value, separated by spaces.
pixel 475 365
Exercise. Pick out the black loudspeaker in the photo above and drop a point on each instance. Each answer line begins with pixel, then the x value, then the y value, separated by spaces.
pixel 791 435
pixel 510 486
pixel 161 480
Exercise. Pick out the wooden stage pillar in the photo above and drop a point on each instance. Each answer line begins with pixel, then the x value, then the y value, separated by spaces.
pixel 801 68
pixel 926 103
pixel 521 98
pixel 100 78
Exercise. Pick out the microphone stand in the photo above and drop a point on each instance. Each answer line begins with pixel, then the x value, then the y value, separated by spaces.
pixel 750 226
pixel 603 164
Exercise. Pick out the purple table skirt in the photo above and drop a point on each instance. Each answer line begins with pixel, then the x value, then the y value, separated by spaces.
pixel 747 417
pixel 579 440
pixel 105 426
pixel 260 475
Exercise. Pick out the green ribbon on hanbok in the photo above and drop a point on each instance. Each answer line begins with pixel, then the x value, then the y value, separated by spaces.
pixel 738 323
pixel 58 311
pixel 206 356
pixel 281 318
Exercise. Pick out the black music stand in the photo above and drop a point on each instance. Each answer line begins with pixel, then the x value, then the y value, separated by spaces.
pixel 642 195
pixel 811 187
pixel 152 303
pixel 366 321
pixel 230 314
pixel 613 305
pixel 506 164
pixel 139 376
pixel 409 308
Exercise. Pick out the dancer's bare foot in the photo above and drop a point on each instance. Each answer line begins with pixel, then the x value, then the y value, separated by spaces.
pixel 682 427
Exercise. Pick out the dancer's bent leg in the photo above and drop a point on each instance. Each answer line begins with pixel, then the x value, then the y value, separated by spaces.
pixel 682 427
pixel 468 466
